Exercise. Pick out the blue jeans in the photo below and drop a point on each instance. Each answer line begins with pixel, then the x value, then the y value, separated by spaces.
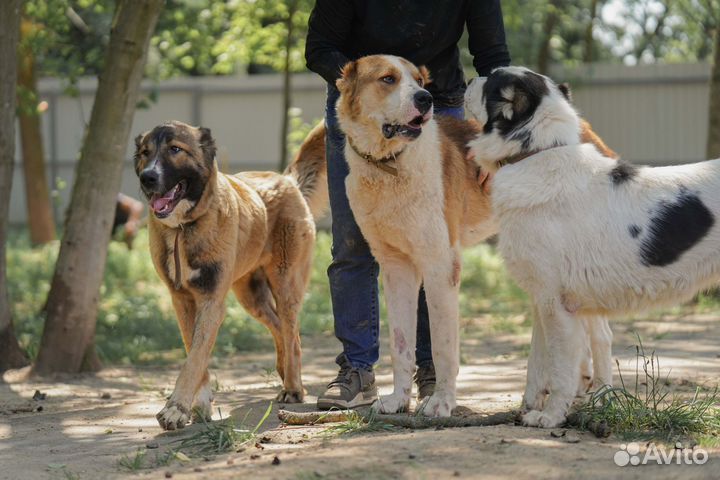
pixel 353 272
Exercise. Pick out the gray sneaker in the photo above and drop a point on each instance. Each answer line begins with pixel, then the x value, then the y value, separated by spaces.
pixel 425 380
pixel 353 387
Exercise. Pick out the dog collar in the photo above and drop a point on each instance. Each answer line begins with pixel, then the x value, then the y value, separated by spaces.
pixel 381 163
pixel 523 155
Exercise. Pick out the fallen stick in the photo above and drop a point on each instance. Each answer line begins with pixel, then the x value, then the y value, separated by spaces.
pixel 398 420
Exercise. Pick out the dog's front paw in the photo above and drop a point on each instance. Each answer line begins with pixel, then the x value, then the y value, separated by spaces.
pixel 438 404
pixel 173 416
pixel 287 396
pixel 392 403
pixel 542 419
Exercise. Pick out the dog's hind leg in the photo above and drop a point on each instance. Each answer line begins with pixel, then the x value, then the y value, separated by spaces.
pixel 442 282
pixel 601 343
pixel 537 383
pixel 401 282
pixel 185 311
pixel 253 293
pixel 564 337
pixel 288 274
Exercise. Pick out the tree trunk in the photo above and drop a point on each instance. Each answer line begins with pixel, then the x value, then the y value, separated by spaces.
pixel 589 44
pixel 11 356
pixel 286 88
pixel 713 142
pixel 37 195
pixel 551 21
pixel 68 336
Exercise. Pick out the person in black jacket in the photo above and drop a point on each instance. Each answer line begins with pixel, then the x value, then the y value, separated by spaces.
pixel 426 32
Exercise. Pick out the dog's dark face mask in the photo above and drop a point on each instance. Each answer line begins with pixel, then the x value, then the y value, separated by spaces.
pixel 174 162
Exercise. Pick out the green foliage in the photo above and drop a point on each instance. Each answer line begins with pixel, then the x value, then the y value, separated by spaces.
pixel 648 409
pixel 206 37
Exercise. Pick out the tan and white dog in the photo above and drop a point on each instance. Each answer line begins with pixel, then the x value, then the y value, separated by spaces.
pixel 417 200
pixel 416 197
pixel 581 233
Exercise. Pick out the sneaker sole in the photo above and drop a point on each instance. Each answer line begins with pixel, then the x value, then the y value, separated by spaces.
pixel 359 401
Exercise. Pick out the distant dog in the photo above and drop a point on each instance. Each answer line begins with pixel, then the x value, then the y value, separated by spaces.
pixel 416 197
pixel 209 233
pixel 583 234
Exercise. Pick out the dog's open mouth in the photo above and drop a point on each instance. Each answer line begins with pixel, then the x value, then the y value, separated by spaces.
pixel 163 205
pixel 412 129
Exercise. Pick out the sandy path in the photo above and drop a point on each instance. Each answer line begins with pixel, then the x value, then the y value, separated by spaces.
pixel 80 433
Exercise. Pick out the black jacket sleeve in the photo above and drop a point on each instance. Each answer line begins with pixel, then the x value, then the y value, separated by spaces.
pixel 486 36
pixel 328 30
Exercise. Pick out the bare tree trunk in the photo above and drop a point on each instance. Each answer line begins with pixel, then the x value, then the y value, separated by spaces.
pixel 11 356
pixel 286 88
pixel 552 19
pixel 68 338
pixel 589 44
pixel 713 142
pixel 37 195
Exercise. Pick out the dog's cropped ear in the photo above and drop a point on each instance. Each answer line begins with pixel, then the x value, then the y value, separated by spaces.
pixel 348 78
pixel 565 90
pixel 138 145
pixel 425 74
pixel 207 144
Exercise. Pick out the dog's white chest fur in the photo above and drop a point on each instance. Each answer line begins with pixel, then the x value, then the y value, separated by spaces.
pixel 405 211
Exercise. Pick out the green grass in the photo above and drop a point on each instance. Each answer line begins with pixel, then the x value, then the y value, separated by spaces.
pixel 644 407
pixel 136 323
pixel 357 424
pixel 220 436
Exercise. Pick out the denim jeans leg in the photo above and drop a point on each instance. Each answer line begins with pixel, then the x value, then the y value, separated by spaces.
pixel 353 272
pixel 423 349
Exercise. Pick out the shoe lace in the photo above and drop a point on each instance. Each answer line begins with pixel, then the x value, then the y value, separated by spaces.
pixel 344 378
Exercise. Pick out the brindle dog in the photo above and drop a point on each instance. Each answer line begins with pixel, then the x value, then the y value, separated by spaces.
pixel 209 233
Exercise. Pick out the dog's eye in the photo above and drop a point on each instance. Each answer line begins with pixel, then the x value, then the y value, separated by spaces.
pixel 419 81
pixel 145 152
pixel 389 79
pixel 175 149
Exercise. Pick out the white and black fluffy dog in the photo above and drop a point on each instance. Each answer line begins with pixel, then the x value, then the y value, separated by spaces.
pixel 583 234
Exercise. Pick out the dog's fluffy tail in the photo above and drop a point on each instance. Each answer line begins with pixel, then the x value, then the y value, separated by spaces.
pixel 309 169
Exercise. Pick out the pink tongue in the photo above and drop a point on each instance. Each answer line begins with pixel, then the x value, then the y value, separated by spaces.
pixel 159 203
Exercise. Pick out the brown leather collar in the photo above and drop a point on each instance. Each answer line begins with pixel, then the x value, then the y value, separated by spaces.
pixel 523 155
pixel 381 163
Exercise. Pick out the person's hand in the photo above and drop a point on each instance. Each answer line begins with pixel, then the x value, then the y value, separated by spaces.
pixel 484 177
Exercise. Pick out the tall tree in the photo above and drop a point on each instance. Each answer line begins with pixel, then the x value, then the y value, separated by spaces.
pixel 68 337
pixel 11 356
pixel 552 21
pixel 37 194
pixel 287 78
pixel 713 142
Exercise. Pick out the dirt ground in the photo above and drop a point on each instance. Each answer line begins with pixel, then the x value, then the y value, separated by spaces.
pixel 89 423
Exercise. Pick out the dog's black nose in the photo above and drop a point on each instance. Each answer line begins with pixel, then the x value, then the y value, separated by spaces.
pixel 423 101
pixel 149 178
